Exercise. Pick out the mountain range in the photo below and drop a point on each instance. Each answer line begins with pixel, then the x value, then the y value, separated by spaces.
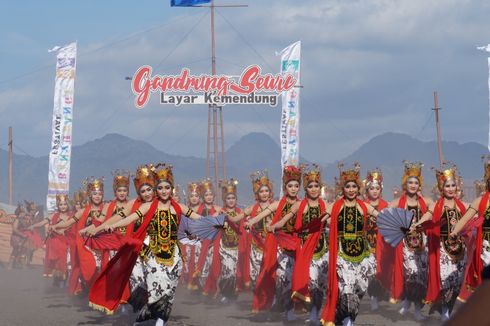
pixel 252 152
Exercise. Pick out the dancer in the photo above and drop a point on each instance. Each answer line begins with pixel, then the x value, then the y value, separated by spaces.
pixel 477 217
pixel 410 262
pixel 228 249
pixel 374 189
pixel 273 288
pixel 351 264
pixel 446 254
pixel 151 259
pixel 311 260
pixel 57 245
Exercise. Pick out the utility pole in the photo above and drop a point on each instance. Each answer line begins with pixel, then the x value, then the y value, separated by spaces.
pixel 11 158
pixel 438 129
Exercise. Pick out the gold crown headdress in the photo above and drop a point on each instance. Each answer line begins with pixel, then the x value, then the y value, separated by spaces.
pixel 444 174
pixel 480 187
pixel 228 187
pixel 205 185
pixel 259 180
pixel 412 169
pixel 192 187
pixel 311 173
pixel 62 197
pixel 144 176
pixel 163 172
pixel 94 184
pixel 121 179
pixel 290 173
pixel 374 176
pixel 79 196
pixel 349 175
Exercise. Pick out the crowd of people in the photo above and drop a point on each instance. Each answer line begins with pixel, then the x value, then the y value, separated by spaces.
pixel 297 255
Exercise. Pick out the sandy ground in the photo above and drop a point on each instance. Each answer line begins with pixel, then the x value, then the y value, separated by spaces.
pixel 28 299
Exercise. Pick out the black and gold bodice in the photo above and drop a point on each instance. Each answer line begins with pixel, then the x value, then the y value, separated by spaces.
pixel 486 225
pixel 310 214
pixel 119 210
pixel 371 232
pixel 414 240
pixel 351 234
pixel 229 237
pixel 95 217
pixel 454 247
pixel 162 233
pixel 206 211
pixel 261 226
pixel 289 226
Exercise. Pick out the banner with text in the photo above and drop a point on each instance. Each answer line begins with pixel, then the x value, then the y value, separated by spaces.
pixel 289 133
pixel 59 155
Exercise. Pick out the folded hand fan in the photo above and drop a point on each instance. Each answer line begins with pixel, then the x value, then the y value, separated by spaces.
pixel 393 224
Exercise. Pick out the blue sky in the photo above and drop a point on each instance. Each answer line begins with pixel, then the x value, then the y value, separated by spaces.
pixel 368 67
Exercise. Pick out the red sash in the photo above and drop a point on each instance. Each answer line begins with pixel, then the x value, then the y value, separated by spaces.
pixel 434 244
pixel 243 264
pixel 304 254
pixel 204 248
pixel 136 205
pixel 328 313
pixel 56 247
pixel 211 285
pixel 398 282
pixel 266 281
pixel 384 255
pixel 83 262
pixel 107 291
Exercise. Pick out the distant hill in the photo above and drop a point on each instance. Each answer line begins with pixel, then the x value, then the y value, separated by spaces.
pixel 252 152
pixel 387 151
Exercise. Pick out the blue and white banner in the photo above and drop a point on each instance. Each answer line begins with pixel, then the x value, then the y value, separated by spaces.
pixel 59 155
pixel 289 133
pixel 187 3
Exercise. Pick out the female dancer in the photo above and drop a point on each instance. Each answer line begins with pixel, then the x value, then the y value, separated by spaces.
pixel 23 241
pixel 277 264
pixel 446 254
pixel 88 259
pixel 252 243
pixel 477 217
pixel 192 249
pixel 151 257
pixel 228 249
pixel 205 260
pixel 311 261
pixel 351 264
pixel 57 245
pixel 374 189
pixel 410 268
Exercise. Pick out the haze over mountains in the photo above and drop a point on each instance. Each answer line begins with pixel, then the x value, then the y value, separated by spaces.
pixel 252 152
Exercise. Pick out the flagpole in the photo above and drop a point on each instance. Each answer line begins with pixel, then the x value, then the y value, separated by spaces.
pixel 438 130
pixel 11 166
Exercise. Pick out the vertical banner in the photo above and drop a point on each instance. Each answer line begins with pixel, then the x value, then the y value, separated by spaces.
pixel 487 48
pixel 59 155
pixel 290 63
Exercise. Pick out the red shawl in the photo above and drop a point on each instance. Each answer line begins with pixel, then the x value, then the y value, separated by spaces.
pixel 384 254
pixel 56 247
pixel 136 205
pixel 107 291
pixel 434 244
pixel 304 254
pixel 204 248
pixel 211 285
pixel 266 281
pixel 398 282
pixel 328 313
pixel 244 248
pixel 83 262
